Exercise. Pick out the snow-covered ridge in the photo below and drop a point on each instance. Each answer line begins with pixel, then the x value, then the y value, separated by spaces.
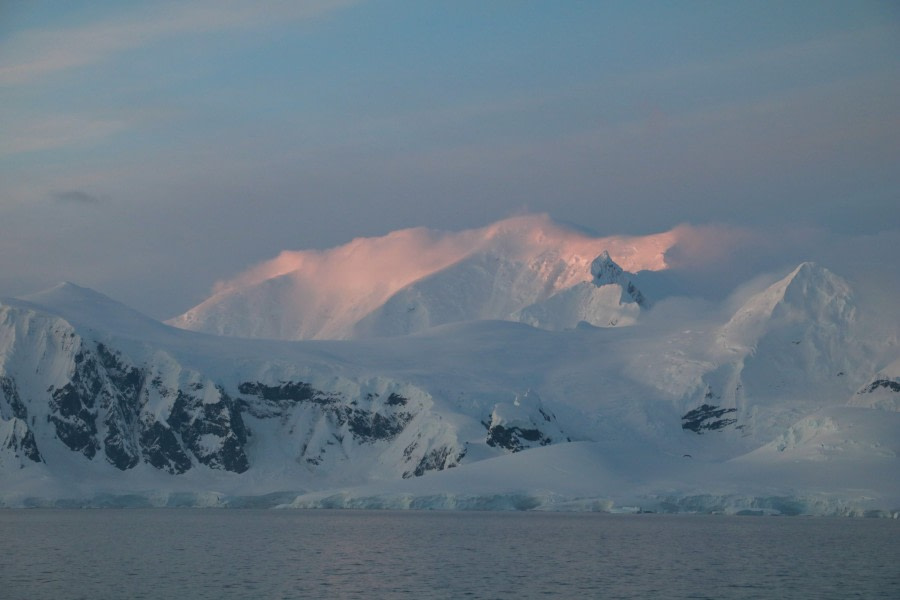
pixel 92 309
pixel 413 279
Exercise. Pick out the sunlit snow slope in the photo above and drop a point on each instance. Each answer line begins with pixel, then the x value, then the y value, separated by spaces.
pixel 413 279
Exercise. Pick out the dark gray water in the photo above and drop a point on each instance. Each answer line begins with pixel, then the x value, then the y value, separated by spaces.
pixel 207 553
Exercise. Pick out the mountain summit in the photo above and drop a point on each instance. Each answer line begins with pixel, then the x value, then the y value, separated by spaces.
pixel 787 347
pixel 413 279
pixel 606 272
pixel 809 297
pixel 610 299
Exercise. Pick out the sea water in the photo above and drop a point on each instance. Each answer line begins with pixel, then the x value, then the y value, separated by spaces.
pixel 209 553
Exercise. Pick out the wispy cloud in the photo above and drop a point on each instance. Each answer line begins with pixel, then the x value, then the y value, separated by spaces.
pixel 787 57
pixel 34 54
pixel 55 131
pixel 77 197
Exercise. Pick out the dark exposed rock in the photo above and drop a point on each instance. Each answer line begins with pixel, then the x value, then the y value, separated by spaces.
pixel 293 391
pixel 77 436
pixel 396 400
pixel 29 447
pixel 120 450
pixel 510 438
pixel 606 271
pixel 197 421
pixel 21 441
pixel 122 399
pixel 161 449
pixel 525 423
pixel 438 459
pixel 893 386
pixel 126 379
pixel 364 425
pixel 99 380
pixel 73 415
pixel 104 385
pixel 368 419
pixel 367 426
pixel 636 295
pixel 131 413
pixel 707 418
pixel 408 451
pixel 11 394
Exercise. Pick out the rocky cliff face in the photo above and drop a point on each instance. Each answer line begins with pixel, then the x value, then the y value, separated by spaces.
pixel 142 406
pixel 606 272
pixel 99 403
pixel 327 428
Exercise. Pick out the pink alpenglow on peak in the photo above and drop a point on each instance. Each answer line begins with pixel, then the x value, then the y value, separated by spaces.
pixel 325 294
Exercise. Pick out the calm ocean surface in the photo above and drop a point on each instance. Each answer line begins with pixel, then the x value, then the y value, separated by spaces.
pixel 208 553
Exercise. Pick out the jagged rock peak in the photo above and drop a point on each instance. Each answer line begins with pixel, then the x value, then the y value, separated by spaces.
pixel 605 271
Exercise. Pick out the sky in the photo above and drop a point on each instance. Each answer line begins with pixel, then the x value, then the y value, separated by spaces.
pixel 149 150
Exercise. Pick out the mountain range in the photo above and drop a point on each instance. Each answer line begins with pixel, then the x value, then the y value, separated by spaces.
pixel 520 366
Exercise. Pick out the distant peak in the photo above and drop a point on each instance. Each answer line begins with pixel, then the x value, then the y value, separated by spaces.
pixel 809 292
pixel 810 274
pixel 806 269
pixel 80 304
pixel 65 290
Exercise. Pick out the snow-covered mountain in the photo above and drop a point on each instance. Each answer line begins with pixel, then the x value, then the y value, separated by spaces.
pixel 779 406
pixel 792 347
pixel 414 279
pixel 142 396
